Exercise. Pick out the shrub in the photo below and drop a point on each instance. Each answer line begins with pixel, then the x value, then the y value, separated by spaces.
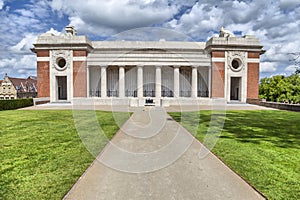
pixel 15 104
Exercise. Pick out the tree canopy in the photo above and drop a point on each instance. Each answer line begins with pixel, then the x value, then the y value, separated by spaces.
pixel 281 88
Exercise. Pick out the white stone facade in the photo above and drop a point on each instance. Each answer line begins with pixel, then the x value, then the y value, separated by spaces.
pixel 139 73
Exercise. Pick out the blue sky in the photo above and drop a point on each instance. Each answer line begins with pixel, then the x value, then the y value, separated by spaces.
pixel 275 22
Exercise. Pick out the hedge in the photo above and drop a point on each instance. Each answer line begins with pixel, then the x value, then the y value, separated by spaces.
pixel 15 104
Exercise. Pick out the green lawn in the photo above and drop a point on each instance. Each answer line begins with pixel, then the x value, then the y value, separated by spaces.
pixel 41 153
pixel 261 146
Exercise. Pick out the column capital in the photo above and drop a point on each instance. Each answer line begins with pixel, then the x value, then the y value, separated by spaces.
pixel 103 66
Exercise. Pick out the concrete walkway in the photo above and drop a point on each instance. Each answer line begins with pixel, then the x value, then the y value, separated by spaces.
pixel 153 157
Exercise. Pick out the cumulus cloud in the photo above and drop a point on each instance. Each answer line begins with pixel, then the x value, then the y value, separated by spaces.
pixel 268 66
pixel 289 4
pixel 1 4
pixel 106 17
pixel 274 22
pixel 25 44
pixel 19 67
pixel 291 68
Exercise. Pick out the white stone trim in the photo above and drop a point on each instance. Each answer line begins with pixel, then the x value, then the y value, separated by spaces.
pixel 194 89
pixel 121 81
pixel 158 83
pixel 218 59
pixel 226 78
pixel 42 59
pixel 253 60
pixel 68 72
pixel 140 81
pixel 103 81
pixel 80 58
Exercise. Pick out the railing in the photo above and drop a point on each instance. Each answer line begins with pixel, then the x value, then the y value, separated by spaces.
pixel 112 93
pixel 95 93
pixel 149 93
pixel 167 93
pixel 203 93
pixel 130 93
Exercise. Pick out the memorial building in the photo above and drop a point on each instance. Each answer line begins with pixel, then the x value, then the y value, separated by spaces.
pixel 72 68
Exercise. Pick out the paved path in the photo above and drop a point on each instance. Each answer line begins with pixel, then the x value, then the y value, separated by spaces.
pixel 153 157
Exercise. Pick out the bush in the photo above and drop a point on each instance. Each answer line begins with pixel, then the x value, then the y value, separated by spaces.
pixel 15 104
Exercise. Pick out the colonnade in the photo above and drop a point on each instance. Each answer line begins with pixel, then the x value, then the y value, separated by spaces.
pixel 148 81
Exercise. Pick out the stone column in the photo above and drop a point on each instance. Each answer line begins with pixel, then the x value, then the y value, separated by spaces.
pixel 121 81
pixel 88 81
pixel 176 81
pixel 194 82
pixel 140 81
pixel 209 82
pixel 103 82
pixel 158 82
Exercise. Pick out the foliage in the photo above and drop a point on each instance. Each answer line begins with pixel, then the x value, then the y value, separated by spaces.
pixel 15 104
pixel 281 89
pixel 261 146
pixel 41 153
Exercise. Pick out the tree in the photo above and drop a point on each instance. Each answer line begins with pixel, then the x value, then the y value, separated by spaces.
pixel 281 89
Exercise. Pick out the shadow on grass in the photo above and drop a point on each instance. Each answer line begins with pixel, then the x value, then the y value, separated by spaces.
pixel 281 128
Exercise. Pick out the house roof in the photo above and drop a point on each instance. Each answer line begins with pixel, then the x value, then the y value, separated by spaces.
pixel 24 85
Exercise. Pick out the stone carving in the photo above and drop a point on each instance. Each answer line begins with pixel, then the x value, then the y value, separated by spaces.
pixel 70 30
pixel 225 33
pixel 59 55
pixel 236 60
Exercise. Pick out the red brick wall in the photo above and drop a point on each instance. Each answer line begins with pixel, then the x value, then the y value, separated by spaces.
pixel 218 54
pixel 253 55
pixel 253 80
pixel 43 79
pixel 218 77
pixel 43 53
pixel 79 79
pixel 77 53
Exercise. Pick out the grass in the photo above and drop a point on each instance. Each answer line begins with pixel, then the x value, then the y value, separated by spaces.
pixel 42 154
pixel 261 146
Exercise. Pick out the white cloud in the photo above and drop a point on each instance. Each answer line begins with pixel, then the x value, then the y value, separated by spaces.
pixel 25 44
pixel 4 63
pixel 268 66
pixel 274 22
pixel 19 67
pixel 106 17
pixel 53 31
pixel 288 4
pixel 1 4
pixel 291 68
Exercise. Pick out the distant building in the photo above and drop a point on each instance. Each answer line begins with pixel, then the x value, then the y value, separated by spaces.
pixel 18 88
